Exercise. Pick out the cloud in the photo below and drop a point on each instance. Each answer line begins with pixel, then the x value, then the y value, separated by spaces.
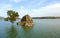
pixel 23 11
pixel 49 10
pixel 16 1
pixel 41 2
pixel 36 3
pixel 4 8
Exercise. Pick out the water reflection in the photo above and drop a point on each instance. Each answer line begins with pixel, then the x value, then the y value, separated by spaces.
pixel 26 32
pixel 26 28
pixel 12 32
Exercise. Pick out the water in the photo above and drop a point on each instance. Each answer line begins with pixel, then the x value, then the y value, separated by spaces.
pixel 43 28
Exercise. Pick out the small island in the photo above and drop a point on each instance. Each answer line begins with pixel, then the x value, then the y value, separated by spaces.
pixel 26 21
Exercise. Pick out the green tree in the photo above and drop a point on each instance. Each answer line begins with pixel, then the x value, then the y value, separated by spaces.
pixel 12 16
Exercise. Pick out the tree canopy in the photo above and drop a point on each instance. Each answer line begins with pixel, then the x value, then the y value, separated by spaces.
pixel 12 15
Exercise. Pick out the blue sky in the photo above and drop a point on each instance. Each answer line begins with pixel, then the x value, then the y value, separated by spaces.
pixel 35 8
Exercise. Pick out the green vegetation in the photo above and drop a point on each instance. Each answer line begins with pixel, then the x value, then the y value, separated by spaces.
pixel 12 32
pixel 12 15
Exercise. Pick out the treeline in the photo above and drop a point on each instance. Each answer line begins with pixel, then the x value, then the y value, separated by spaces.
pixel 46 17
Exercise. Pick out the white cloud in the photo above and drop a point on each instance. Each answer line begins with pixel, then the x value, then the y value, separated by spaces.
pixel 16 1
pixel 4 8
pixel 22 11
pixel 41 2
pixel 50 10
pixel 34 3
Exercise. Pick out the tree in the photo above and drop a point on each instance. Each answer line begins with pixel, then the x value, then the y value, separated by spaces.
pixel 12 15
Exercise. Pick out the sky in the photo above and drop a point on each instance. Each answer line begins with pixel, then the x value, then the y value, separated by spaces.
pixel 34 8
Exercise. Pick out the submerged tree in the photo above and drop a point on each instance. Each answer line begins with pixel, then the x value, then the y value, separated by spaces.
pixel 12 16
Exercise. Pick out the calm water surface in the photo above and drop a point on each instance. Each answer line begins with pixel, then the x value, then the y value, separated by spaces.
pixel 43 28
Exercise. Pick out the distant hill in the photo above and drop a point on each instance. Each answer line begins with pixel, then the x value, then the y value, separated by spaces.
pixel 46 17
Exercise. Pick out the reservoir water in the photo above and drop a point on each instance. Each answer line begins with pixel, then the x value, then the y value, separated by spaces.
pixel 43 28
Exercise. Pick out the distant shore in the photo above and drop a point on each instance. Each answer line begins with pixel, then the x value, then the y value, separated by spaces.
pixel 45 17
pixel 39 18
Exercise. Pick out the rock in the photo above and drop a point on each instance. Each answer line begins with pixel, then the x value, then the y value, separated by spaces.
pixel 26 21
